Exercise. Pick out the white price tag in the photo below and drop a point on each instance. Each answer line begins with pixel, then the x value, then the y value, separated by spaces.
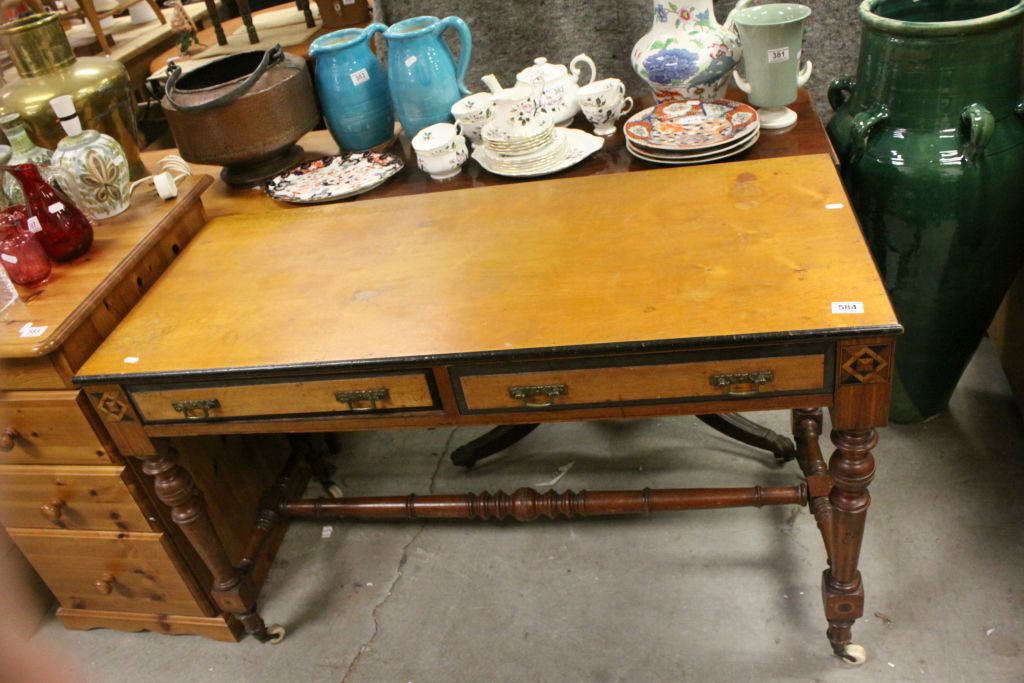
pixel 55 207
pixel 34 225
pixel 326 532
pixel 30 330
pixel 848 308
pixel 410 60
pixel 778 55
pixel 360 77
pixel 348 2
pixel 9 258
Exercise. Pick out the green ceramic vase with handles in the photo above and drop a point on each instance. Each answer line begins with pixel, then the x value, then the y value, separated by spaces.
pixel 930 137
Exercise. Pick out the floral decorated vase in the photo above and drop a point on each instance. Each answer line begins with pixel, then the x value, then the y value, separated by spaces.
pixel 687 54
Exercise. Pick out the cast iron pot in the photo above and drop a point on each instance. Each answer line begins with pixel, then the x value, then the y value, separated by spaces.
pixel 243 112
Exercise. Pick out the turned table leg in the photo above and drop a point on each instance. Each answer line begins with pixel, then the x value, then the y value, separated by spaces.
pixel 852 467
pixel 233 590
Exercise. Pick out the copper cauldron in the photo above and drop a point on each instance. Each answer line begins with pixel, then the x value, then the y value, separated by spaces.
pixel 243 112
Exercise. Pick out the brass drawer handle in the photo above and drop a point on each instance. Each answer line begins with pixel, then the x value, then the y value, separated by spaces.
pixel 362 400
pixel 742 383
pixel 53 510
pixel 545 392
pixel 7 438
pixel 196 410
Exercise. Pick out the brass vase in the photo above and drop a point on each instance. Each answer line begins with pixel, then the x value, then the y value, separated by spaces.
pixel 47 67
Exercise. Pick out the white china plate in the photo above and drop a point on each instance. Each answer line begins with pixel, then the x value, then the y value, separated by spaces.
pixel 689 125
pixel 581 144
pixel 332 178
pixel 693 161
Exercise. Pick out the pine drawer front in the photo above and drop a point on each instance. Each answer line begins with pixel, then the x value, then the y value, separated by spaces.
pixel 627 382
pixel 68 497
pixel 355 395
pixel 48 428
pixel 104 570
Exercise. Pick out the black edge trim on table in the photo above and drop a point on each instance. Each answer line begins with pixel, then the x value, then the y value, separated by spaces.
pixel 499 354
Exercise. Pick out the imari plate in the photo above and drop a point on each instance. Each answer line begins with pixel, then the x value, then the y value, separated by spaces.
pixel 690 125
pixel 329 179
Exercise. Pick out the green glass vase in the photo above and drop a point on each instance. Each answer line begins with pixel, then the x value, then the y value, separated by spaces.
pixel 930 139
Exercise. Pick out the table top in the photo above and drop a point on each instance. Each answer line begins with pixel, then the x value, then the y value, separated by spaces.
pixel 670 258
pixel 806 137
pixel 74 289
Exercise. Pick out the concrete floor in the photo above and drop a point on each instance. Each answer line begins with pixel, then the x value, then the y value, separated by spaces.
pixel 729 595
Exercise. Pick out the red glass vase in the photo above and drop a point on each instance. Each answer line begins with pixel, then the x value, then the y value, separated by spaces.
pixel 21 253
pixel 63 230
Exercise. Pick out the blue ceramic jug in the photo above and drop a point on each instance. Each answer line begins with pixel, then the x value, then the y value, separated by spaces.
pixel 422 77
pixel 352 88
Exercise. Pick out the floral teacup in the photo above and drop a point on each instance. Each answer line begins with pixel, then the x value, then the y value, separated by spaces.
pixel 441 150
pixel 603 102
pixel 472 113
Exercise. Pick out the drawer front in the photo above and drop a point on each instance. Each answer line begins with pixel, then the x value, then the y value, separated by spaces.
pixel 49 428
pixel 634 381
pixel 53 497
pixel 103 570
pixel 356 395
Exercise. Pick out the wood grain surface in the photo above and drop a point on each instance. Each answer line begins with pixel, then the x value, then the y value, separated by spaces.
pixel 51 428
pixel 700 255
pixel 75 289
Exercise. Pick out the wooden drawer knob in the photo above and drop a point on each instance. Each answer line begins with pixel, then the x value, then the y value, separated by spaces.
pixel 53 510
pixel 106 584
pixel 7 437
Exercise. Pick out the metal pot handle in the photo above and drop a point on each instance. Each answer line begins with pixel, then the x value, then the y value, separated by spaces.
pixel 270 58
pixel 839 91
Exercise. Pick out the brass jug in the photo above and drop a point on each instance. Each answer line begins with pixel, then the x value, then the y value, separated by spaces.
pixel 47 67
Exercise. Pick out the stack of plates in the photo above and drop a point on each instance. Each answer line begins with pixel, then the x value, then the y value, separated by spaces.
pixel 550 150
pixel 692 132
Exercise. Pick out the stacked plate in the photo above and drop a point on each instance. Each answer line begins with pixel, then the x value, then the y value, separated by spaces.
pixel 549 151
pixel 690 132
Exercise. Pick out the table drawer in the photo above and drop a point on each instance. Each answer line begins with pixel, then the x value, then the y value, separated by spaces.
pixel 48 428
pixel 357 395
pixel 105 570
pixel 68 497
pixel 640 380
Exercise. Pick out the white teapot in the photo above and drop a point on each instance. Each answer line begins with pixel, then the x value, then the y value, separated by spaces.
pixel 560 85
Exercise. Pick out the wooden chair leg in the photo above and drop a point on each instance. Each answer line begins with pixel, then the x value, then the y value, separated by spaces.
pixel 498 439
pixel 159 12
pixel 246 12
pixel 89 9
pixel 746 431
pixel 211 9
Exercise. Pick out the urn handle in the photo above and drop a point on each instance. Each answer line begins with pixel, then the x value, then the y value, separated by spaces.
pixel 977 124
pixel 863 124
pixel 839 91
pixel 730 20
pixel 1020 109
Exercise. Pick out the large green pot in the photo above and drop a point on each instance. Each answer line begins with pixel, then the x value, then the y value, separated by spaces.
pixel 931 140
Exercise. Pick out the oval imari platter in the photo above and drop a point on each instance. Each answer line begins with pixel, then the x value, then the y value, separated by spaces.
pixel 329 179
pixel 691 124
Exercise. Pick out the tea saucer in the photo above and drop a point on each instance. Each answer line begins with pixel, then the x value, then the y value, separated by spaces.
pixel 693 160
pixel 579 145
pixel 690 125
pixel 332 178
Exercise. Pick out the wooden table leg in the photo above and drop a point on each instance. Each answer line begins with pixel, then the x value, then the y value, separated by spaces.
pixel 233 590
pixel 852 467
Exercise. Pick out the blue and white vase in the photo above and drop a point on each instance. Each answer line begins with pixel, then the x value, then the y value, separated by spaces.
pixel 422 76
pixel 687 55
pixel 352 88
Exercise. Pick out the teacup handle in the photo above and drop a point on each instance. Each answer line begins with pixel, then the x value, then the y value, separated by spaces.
pixel 742 83
pixel 627 106
pixel 458 127
pixel 803 77
pixel 585 60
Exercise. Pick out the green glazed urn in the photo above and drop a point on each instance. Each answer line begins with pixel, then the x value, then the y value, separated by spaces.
pixel 930 138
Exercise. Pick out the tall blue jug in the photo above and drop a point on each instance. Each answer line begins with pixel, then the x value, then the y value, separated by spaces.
pixel 422 76
pixel 352 88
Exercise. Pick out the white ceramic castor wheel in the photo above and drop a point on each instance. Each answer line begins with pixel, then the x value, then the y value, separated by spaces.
pixel 854 654
pixel 334 491
pixel 276 633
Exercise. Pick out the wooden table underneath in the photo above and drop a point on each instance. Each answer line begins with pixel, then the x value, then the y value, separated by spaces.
pixel 731 287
